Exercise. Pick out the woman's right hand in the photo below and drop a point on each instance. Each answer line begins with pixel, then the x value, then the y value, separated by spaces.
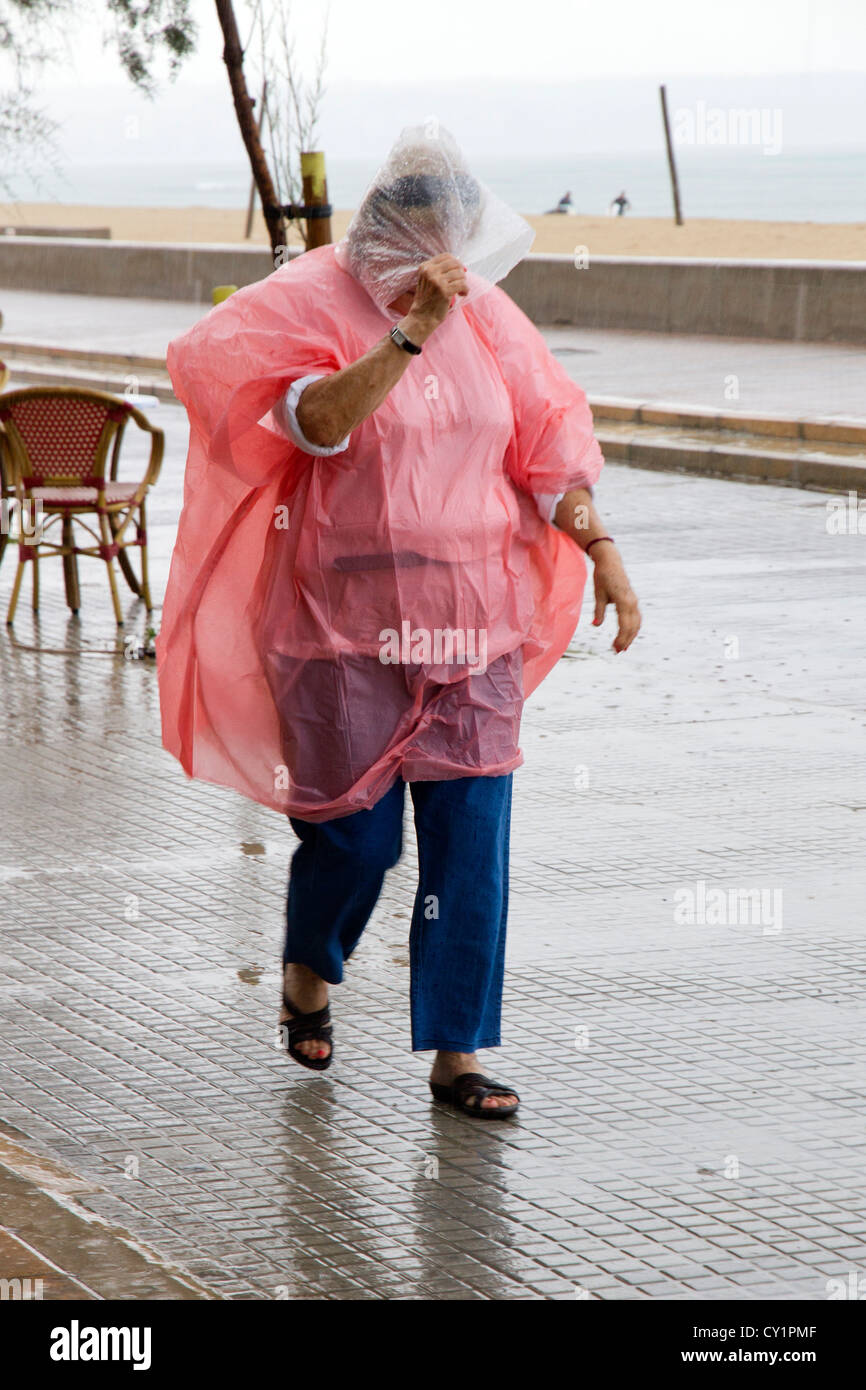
pixel 439 280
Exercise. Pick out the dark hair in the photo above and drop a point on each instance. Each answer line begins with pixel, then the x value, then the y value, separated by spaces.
pixel 426 190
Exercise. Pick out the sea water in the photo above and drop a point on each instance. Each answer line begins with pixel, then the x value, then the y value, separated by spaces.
pixel 800 186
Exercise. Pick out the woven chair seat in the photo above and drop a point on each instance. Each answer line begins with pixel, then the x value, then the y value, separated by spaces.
pixel 82 496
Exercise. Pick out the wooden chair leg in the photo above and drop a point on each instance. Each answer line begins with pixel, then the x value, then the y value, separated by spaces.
pixel 35 564
pixel 125 564
pixel 16 590
pixel 107 540
pixel 145 581
pixel 70 566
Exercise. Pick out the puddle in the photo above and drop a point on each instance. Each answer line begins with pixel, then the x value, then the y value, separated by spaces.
pixel 56 1232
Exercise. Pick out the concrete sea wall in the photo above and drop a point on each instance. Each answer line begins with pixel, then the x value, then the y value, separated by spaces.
pixel 794 301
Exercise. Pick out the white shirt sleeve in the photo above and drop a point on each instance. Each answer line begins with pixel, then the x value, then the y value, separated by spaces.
pixel 286 416
pixel 547 503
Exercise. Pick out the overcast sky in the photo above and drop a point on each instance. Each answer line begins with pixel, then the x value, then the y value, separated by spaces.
pixel 534 39
pixel 526 80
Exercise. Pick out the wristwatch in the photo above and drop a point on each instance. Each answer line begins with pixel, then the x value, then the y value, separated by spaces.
pixel 403 342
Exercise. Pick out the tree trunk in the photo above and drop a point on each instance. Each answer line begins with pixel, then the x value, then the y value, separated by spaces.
pixel 233 58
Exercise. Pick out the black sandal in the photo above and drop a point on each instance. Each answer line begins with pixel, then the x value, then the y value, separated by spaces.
pixel 472 1083
pixel 304 1028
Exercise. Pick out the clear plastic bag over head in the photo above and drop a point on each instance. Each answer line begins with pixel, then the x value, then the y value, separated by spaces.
pixel 425 201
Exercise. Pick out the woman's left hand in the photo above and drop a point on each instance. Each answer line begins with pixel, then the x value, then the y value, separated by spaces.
pixel 612 586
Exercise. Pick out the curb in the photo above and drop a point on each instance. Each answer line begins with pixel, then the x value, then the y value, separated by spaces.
pixel 835 429
pixel 743 460
pixel 743 464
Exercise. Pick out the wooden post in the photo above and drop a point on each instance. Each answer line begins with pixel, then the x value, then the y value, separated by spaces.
pixel 671 161
pixel 233 57
pixel 315 186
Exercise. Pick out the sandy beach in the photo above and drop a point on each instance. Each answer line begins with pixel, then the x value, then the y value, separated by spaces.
pixel 602 236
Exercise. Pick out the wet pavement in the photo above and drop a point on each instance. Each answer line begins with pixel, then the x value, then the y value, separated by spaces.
pixel 54 1234
pixel 731 374
pixel 693 1089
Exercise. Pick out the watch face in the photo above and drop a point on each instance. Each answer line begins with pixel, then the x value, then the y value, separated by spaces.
pixel 402 341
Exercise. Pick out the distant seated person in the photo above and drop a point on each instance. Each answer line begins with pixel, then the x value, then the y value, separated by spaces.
pixel 620 203
pixel 564 204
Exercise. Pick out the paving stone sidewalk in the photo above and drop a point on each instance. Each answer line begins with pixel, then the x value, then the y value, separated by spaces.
pixel 692 1125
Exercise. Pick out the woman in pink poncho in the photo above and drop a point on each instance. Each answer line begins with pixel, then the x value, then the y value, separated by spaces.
pixel 380 555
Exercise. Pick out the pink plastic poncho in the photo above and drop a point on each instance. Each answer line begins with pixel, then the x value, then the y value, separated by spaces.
pixel 334 623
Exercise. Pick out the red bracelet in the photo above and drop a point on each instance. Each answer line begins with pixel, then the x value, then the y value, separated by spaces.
pixel 596 541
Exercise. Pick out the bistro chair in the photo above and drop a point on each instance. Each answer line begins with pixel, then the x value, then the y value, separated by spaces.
pixel 60 447
pixel 6 491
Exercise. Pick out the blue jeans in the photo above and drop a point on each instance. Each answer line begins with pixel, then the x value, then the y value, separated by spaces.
pixel 457 937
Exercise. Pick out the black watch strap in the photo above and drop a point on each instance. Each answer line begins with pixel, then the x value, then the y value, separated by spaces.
pixel 399 337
